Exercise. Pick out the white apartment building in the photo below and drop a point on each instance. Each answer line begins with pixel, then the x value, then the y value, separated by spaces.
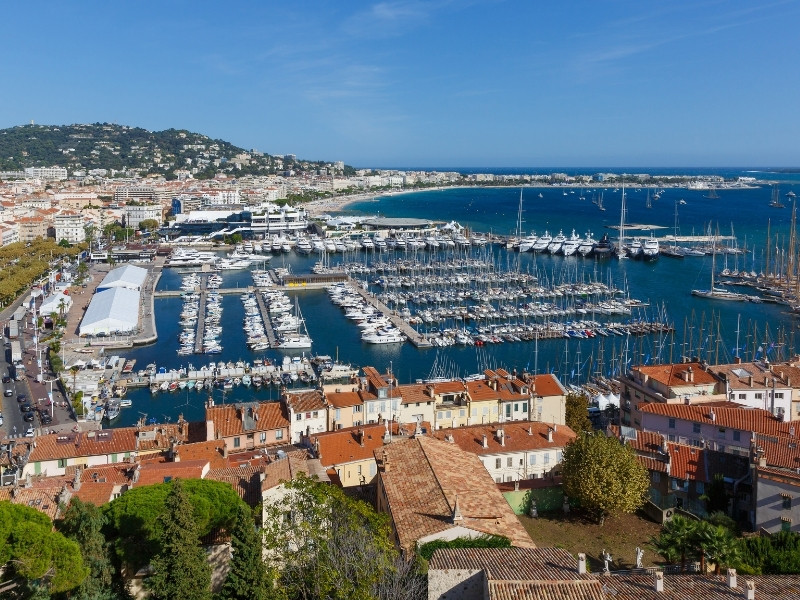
pixel 46 173
pixel 69 226
pixel 9 233
pixel 136 213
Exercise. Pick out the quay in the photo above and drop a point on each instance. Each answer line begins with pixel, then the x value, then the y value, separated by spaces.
pixel 262 307
pixel 413 336
pixel 201 316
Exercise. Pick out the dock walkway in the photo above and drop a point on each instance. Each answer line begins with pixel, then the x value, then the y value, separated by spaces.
pixel 201 316
pixel 267 321
pixel 413 335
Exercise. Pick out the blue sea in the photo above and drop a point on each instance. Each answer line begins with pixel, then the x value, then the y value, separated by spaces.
pixel 712 330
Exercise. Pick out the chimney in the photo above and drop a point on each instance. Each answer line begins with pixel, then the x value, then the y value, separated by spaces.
pixel 690 375
pixel 712 416
pixel 457 516
pixel 385 462
pixel 581 564
pixel 732 578
pixel 750 589
pixel 430 390
pixel 659 581
pixel 485 442
pixel 530 430
pixel 76 482
pixel 550 434
pixel 750 380
pixel 361 437
pixel 501 436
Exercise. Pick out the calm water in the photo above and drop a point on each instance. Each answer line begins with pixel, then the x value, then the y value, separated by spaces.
pixel 666 284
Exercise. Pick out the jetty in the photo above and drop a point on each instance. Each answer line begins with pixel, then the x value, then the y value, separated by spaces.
pixel 412 334
pixel 201 316
pixel 262 307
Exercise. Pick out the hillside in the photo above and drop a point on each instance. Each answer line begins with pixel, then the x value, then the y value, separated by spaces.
pixel 125 149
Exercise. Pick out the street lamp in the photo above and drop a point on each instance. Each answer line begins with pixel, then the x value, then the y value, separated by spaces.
pixel 50 394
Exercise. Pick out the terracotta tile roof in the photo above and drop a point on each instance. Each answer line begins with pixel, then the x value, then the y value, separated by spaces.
pixel 674 375
pixel 228 418
pixel 744 419
pixel 449 387
pixel 691 587
pixel 91 443
pixel 517 437
pixel 738 376
pixel 511 564
pixel 96 493
pixel 344 445
pixel 784 473
pixel 548 385
pixel 551 590
pixel 344 399
pixel 44 500
pixel 286 469
pixel 246 481
pixel 780 451
pixel 374 379
pixel 305 401
pixel 422 478
pixel 479 391
pixel 413 393
pixel 210 452
pixel 115 474
pixel 150 473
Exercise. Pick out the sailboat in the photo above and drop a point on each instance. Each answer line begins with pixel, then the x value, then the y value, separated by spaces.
pixel 717 293
pixel 649 202
pixel 620 250
pixel 298 338
pixel 776 198
pixel 674 251
pixel 712 194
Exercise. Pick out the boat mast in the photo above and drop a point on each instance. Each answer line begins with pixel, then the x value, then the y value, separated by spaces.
pixel 621 246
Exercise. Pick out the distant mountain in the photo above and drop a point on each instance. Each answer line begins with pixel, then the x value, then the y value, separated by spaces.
pixel 120 148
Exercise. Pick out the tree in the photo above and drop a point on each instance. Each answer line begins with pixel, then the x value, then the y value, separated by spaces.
pixel 180 569
pixel 64 243
pixel 83 523
pixel 148 225
pixel 716 496
pixel 327 545
pixel 604 475
pixel 30 549
pixel 247 578
pixel 576 414
pixel 133 517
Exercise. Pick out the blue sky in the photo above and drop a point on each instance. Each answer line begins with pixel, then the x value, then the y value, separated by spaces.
pixel 408 83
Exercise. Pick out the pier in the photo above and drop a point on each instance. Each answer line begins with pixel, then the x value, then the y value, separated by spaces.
pixel 413 336
pixel 262 307
pixel 201 316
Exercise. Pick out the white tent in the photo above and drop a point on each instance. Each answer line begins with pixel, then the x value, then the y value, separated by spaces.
pixel 52 304
pixel 126 276
pixel 115 310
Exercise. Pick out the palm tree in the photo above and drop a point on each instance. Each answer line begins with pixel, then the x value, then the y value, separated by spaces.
pixel 721 547
pixel 676 539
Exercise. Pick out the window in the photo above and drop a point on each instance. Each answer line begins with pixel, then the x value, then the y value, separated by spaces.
pixel 497 463
pixel 372 469
pixel 357 408
pixel 371 408
pixel 498 480
pixel 699 487
pixel 508 410
pixel 315 414
pixel 547 458
pixel 236 442
pixel 509 462
pixel 448 414
pixel 671 424
pixel 742 396
pixel 786 524
pixel 279 434
pixel 298 417
pixel 533 459
pixel 516 407
pixel 338 413
pixel 462 413
pixel 737 435
pixel 778 394
pixel 263 437
pixel 525 407
pixel 721 433
pixel 695 427
pixel 62 462
pixel 655 477
pixel 474 412
pixel 787 501
pixel 485 410
pixel 440 415
pixel 559 455
pixel 521 462
pixel 759 396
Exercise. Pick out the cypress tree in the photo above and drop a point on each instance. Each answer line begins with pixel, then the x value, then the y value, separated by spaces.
pixel 180 569
pixel 247 578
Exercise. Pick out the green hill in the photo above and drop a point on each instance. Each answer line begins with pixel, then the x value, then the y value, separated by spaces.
pixel 124 149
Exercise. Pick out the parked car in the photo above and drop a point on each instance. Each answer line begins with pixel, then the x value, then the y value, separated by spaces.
pixel 1 419
pixel 8 393
pixel 45 418
pixel 29 432
pixel 27 406
pixel 28 417
pixel 22 398
pixel 6 379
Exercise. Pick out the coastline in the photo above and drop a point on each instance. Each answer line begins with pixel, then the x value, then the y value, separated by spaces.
pixel 323 206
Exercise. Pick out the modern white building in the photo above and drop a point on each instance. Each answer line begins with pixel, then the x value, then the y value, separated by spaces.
pixel 53 173
pixel 9 233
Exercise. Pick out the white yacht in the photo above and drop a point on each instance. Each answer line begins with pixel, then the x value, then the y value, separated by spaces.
pixel 635 248
pixel 527 243
pixel 570 247
pixel 554 247
pixel 543 242
pixel 302 245
pixel 388 335
pixel 650 248
pixel 587 244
